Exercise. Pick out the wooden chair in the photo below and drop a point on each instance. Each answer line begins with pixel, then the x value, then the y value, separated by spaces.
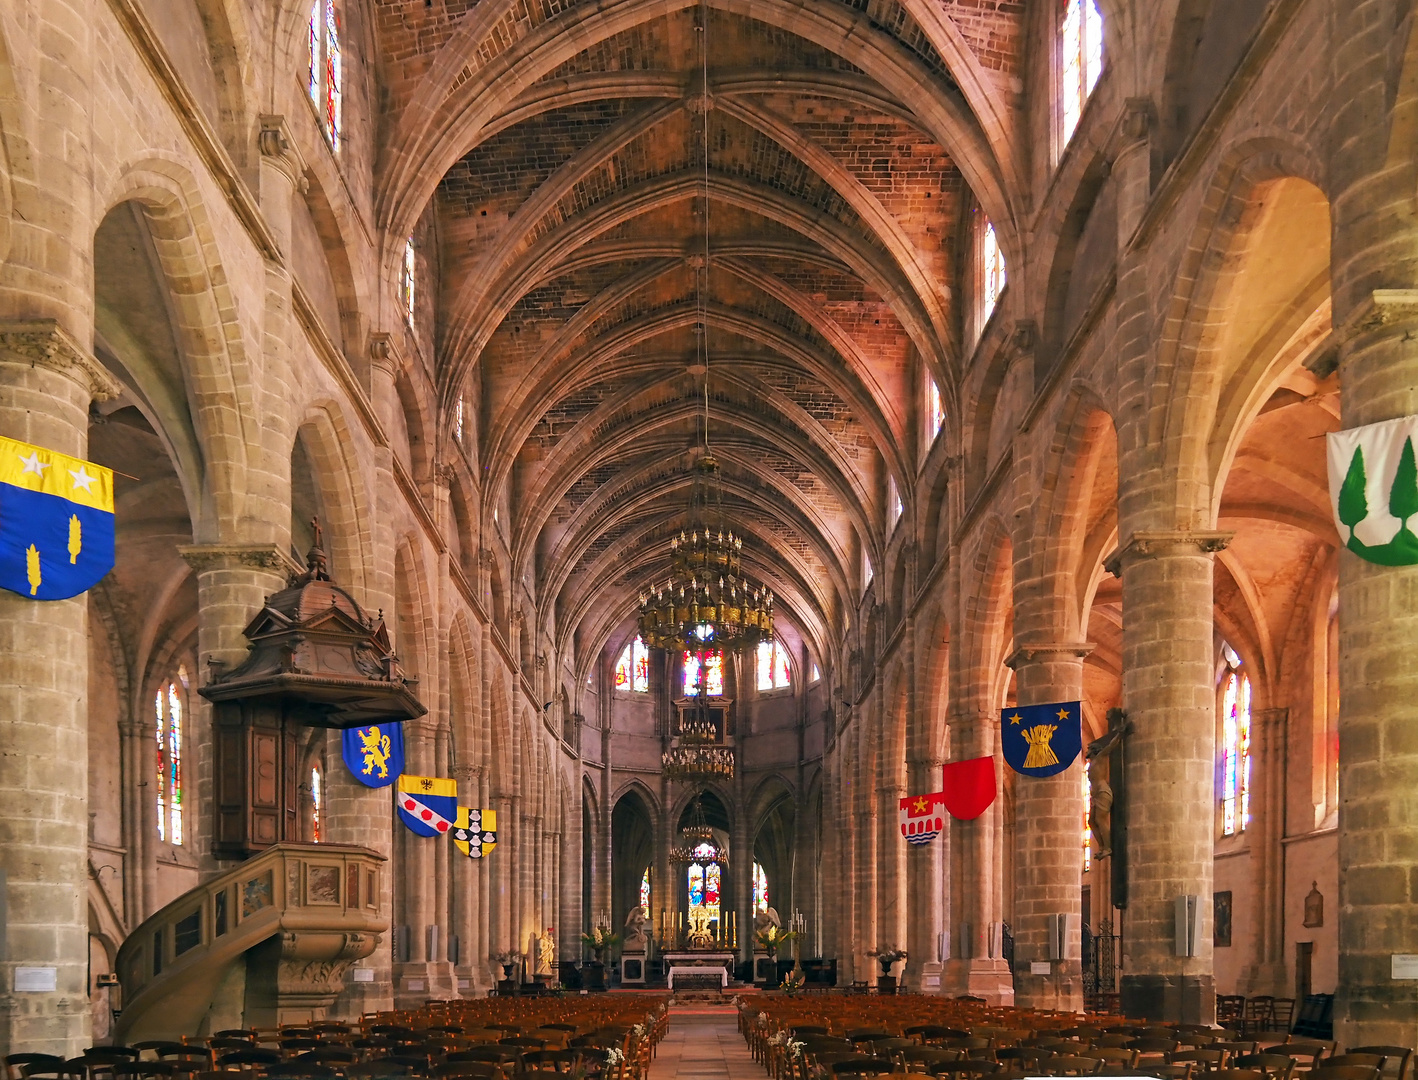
pixel 1259 1012
pixel 1230 1009
pixel 15 1063
pixel 1071 1065
pixel 1398 1060
pixel 470 1070
pixel 1282 1014
pixel 1343 1072
pixel 1276 1066
pixel 1306 1054
pixel 1207 1059
pixel 1114 1056
pixel 1235 1074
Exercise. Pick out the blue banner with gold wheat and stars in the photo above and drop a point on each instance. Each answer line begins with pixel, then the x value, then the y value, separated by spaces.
pixel 374 754
pixel 56 522
pixel 1041 740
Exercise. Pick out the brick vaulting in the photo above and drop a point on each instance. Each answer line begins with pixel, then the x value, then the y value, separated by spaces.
pixel 1018 325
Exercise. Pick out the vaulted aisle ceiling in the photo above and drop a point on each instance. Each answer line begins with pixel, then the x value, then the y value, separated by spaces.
pixel 845 156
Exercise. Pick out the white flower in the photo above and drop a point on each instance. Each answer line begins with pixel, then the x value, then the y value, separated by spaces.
pixel 614 1056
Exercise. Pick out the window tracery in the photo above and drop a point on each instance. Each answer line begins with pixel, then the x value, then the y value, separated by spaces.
pixel 1082 40
pixel 324 72
pixel 1235 745
pixel 773 671
pixel 632 670
pixel 168 707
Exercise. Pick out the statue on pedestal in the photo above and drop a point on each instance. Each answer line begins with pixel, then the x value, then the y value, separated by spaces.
pixel 634 936
pixel 766 918
pixel 546 952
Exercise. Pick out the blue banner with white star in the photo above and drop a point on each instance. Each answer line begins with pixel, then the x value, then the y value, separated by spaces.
pixel 1041 740
pixel 56 522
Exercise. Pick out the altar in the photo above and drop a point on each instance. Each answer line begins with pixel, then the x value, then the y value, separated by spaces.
pixel 699 965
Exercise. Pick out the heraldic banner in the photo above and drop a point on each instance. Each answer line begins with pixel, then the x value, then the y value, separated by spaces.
pixel 922 817
pixel 1373 488
pixel 475 833
pixel 968 787
pixel 1041 740
pixel 56 522
pixel 375 754
pixel 428 805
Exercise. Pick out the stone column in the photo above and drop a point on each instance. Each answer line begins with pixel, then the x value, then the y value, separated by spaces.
pixel 463 901
pixel 867 936
pixel 1266 971
pixel 1378 709
pixel 1170 697
pixel 1048 849
pixel 927 879
pixel 47 382
pixel 233 581
pixel 890 873
pixel 975 858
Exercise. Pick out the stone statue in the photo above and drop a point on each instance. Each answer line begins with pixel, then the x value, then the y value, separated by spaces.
pixel 1100 814
pixel 633 939
pixel 764 919
pixel 546 953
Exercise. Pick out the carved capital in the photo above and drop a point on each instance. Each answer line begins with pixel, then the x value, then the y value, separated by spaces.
pixel 1139 116
pixel 44 343
pixel 1025 336
pixel 443 473
pixel 276 145
pixel 1147 544
pixel 384 354
pixel 203 557
pixel 1027 654
pixel 1384 309
pixel 487 558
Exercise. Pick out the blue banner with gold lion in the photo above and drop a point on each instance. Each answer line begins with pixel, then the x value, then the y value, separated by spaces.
pixel 1041 740
pixel 56 522
pixel 375 754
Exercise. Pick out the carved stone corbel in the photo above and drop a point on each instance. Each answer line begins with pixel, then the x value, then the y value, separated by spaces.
pixel 1027 654
pixel 1144 544
pixel 44 343
pixel 278 147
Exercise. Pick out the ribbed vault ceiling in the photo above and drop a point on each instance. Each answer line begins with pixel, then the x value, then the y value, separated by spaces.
pixel 572 204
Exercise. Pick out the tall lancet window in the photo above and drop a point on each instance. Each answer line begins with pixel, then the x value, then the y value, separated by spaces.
pixel 408 283
pixel 993 276
pixel 324 72
pixel 1235 745
pixel 169 708
pixel 1082 40
pixel 760 888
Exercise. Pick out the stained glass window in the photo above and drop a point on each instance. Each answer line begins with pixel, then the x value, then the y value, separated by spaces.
pixel 1082 58
pixel 816 673
pixel 696 884
pixel 1087 821
pixel 632 670
pixel 645 889
pixel 893 504
pixel 408 286
pixel 168 732
pixel 935 410
pixel 714 674
pixel 760 888
pixel 705 880
pixel 773 672
pixel 992 260
pixel 1236 746
pixel 317 799
pixel 324 64
pixel 867 572
pixel 458 421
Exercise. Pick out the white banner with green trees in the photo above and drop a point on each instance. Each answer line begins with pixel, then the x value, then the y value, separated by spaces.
pixel 1373 485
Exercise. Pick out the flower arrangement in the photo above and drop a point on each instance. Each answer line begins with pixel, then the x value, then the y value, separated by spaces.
pixel 614 1056
pixel 599 940
pixel 794 981
pixel 770 937
pixel 886 955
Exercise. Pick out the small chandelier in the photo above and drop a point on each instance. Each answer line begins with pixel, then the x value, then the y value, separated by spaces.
pixel 698 761
pixel 693 838
pixel 706 602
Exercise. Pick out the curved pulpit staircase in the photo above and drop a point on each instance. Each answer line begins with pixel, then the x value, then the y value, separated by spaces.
pixel 266 943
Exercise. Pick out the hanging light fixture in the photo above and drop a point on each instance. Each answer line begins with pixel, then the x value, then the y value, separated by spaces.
pixel 690 847
pixel 706 603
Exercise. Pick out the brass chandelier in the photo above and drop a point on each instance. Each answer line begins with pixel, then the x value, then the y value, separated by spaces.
pixel 693 837
pixel 706 603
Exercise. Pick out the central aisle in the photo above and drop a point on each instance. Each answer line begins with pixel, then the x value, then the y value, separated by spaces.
pixel 704 1044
